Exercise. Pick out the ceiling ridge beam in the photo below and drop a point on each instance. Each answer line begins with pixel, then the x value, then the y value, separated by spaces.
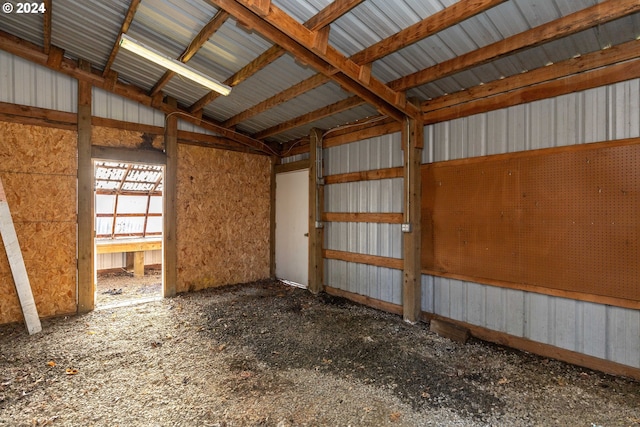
pixel 439 21
pixel 29 51
pixel 301 42
pixel 198 41
pixel 312 116
pixel 578 21
pixel 131 12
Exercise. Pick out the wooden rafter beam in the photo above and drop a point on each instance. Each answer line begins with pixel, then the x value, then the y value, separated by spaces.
pixel 312 116
pixel 303 44
pixel 601 13
pixel 330 13
pixel 452 15
pixel 432 24
pixel 46 25
pixel 131 12
pixel 575 83
pixel 317 22
pixel 247 71
pixel 602 58
pixel 198 41
pixel 70 67
pixel 279 98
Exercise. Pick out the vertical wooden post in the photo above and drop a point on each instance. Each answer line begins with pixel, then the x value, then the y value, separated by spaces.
pixel 86 271
pixel 272 220
pixel 138 264
pixel 412 142
pixel 316 204
pixel 170 264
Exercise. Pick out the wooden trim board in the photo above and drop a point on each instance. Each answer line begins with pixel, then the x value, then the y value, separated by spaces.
pixel 18 269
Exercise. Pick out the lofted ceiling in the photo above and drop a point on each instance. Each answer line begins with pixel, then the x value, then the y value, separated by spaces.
pixel 299 64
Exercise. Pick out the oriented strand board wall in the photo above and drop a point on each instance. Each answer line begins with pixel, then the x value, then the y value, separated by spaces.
pixel 38 169
pixel 110 137
pixel 223 217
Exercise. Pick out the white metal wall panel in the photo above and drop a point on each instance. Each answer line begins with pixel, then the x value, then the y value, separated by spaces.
pixel 119 260
pixel 611 112
pixel 26 83
pixel 366 238
pixel 111 106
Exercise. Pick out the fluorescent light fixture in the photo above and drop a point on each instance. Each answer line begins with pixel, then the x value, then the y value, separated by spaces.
pixel 177 67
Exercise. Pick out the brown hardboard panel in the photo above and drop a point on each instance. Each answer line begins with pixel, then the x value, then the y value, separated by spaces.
pixel 564 219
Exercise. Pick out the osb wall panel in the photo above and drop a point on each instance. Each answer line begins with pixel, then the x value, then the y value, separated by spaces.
pixel 223 217
pixel 110 137
pixel 560 219
pixel 38 169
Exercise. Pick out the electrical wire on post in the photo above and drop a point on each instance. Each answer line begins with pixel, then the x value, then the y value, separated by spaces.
pixel 219 136
pixel 407 179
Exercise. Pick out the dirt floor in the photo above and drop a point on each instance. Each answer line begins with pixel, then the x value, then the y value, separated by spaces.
pixel 119 286
pixel 265 354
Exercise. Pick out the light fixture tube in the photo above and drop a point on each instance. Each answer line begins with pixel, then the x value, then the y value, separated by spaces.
pixel 178 67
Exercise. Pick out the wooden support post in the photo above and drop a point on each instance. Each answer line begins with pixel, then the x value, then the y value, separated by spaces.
pixel 16 262
pixel 316 204
pixel 412 142
pixel 272 220
pixel 170 212
pixel 129 260
pixel 86 271
pixel 138 264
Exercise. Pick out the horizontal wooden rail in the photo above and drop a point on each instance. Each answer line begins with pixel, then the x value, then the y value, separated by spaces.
pixel 383 218
pixel 378 261
pixel 115 246
pixel 370 175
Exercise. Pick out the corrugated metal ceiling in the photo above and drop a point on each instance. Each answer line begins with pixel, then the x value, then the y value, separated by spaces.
pixel 89 29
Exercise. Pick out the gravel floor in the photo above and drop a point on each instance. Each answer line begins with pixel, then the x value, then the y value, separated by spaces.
pixel 265 354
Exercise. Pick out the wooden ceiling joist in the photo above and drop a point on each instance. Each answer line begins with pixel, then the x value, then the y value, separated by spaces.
pixel 447 17
pixel 322 19
pixel 574 83
pixel 70 67
pixel 330 13
pixel 301 42
pixel 601 13
pixel 198 41
pixel 279 98
pixel 573 66
pixel 131 12
pixel 46 25
pixel 312 116
pixel 266 58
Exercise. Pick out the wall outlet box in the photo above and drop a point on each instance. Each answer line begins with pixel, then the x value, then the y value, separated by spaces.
pixel 406 228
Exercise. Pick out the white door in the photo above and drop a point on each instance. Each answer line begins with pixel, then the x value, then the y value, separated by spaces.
pixel 292 226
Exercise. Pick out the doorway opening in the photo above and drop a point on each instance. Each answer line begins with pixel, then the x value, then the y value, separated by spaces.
pixel 129 230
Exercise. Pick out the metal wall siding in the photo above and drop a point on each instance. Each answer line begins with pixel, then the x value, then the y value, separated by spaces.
pixel 292 159
pixel 611 112
pixel 365 196
pixel 111 106
pixel 26 83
